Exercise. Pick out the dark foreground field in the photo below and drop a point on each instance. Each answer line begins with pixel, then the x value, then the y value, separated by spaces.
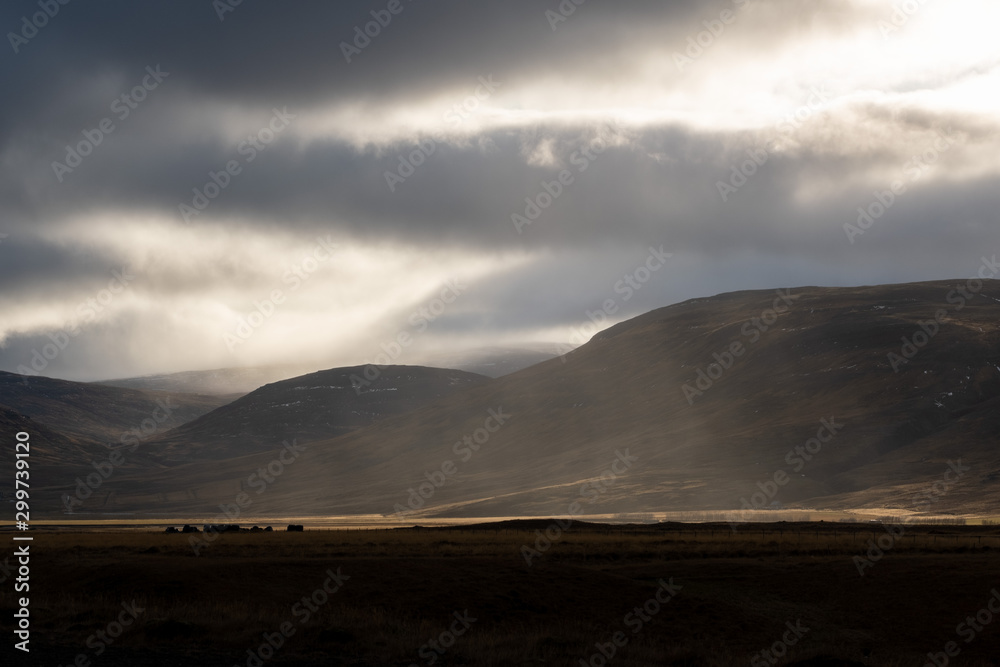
pixel 669 595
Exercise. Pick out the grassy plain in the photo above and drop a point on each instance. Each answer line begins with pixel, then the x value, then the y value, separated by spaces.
pixel 400 589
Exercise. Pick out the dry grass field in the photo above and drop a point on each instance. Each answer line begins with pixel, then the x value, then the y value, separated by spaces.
pixel 731 596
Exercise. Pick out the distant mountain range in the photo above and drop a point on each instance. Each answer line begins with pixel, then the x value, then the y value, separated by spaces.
pixel 222 381
pixel 873 397
pixel 496 362
pixel 74 424
pixel 97 414
pixel 233 382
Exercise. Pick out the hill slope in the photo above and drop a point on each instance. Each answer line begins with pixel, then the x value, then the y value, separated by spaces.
pixel 317 406
pixel 47 448
pixel 231 382
pixel 820 367
pixel 495 362
pixel 235 382
pixel 99 414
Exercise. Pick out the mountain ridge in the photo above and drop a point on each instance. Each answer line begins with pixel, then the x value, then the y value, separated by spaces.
pixel 827 357
pixel 319 405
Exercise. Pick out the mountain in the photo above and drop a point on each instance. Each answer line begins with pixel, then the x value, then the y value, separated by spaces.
pixel 47 447
pixel 230 382
pixel 496 362
pixel 806 397
pixel 94 413
pixel 72 426
pixel 236 382
pixel 317 406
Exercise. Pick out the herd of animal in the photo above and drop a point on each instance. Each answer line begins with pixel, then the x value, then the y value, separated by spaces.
pixel 231 528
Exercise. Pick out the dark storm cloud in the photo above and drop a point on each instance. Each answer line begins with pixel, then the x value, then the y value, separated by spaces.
pixel 262 55
pixel 490 187
pixel 38 270
pixel 290 53
pixel 658 181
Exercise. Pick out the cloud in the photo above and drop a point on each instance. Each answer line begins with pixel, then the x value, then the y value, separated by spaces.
pixel 538 157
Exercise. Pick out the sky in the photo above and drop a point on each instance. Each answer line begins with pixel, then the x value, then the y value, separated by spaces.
pixel 195 184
